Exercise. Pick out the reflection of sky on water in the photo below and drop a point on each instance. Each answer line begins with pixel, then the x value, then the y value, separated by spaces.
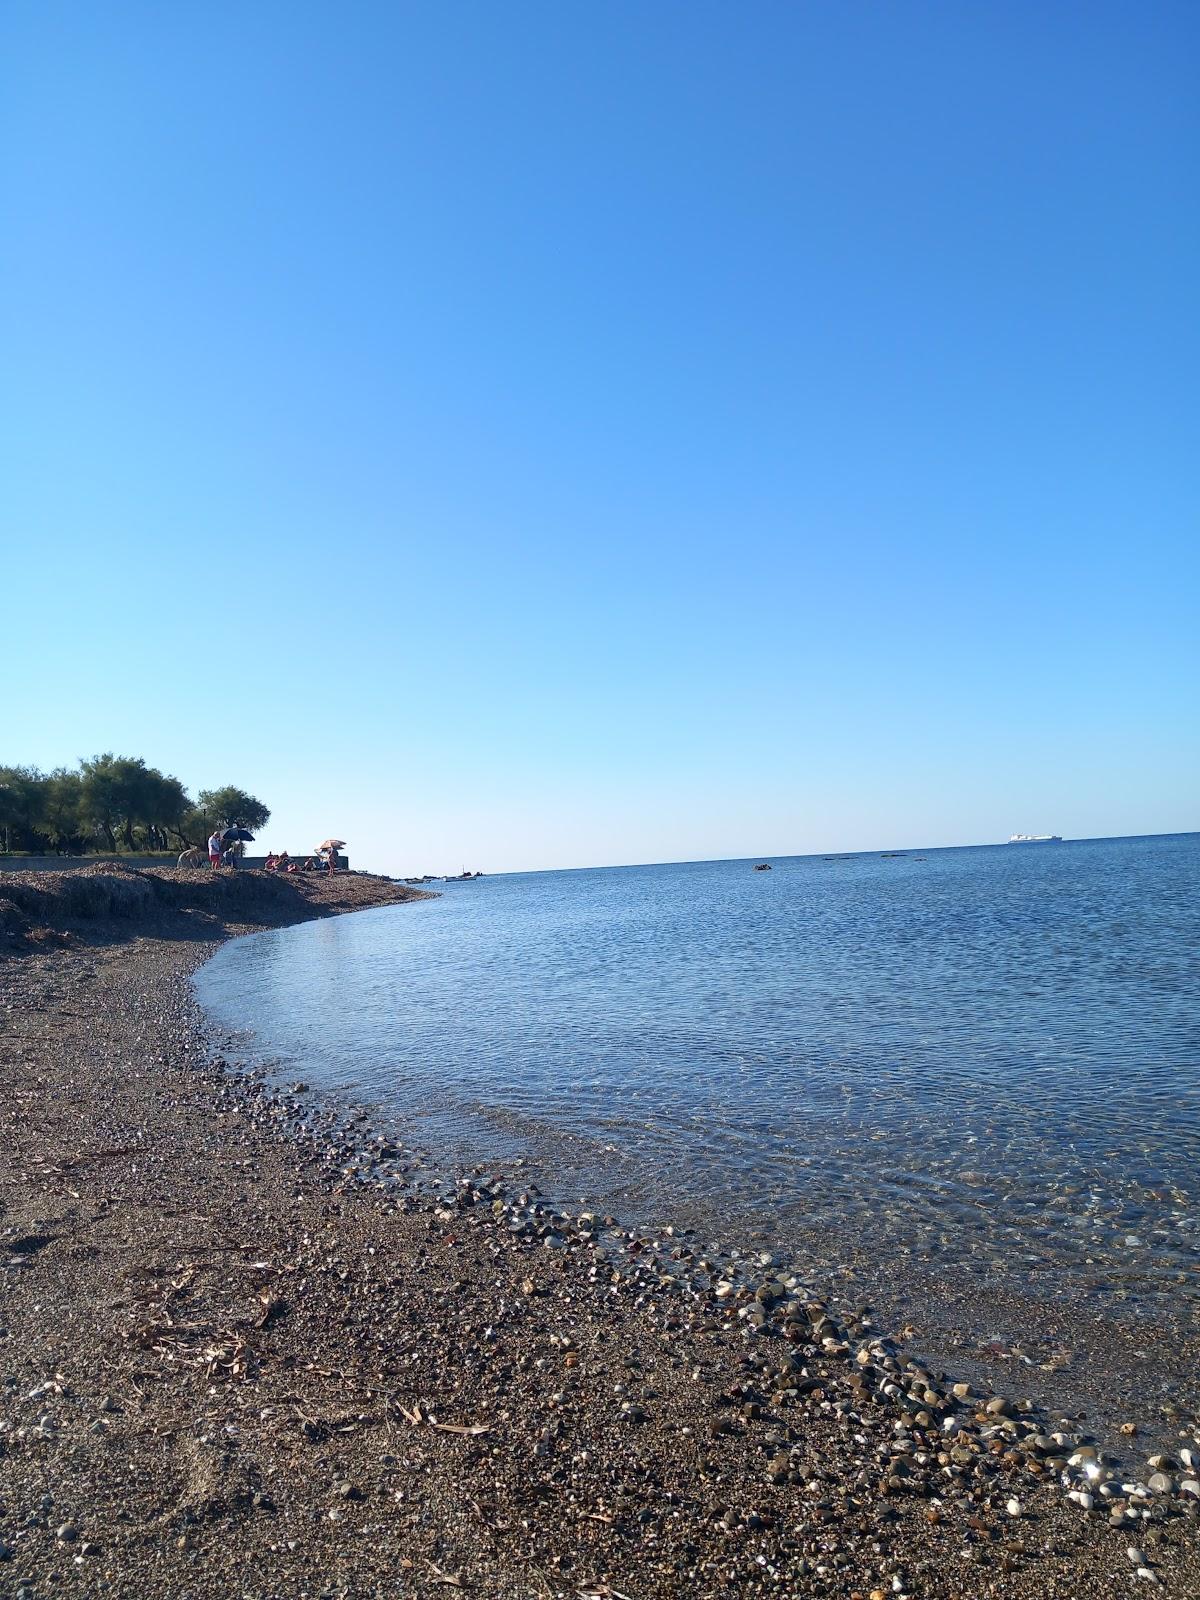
pixel 946 1054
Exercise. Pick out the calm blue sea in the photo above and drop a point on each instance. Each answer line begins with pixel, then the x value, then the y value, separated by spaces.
pixel 985 1058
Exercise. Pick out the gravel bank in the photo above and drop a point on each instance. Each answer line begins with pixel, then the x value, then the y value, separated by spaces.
pixel 234 1363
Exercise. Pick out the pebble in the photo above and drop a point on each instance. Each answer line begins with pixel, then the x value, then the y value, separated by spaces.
pixel 68 1533
pixel 989 1433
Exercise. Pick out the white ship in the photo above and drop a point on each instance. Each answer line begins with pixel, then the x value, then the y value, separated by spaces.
pixel 1035 838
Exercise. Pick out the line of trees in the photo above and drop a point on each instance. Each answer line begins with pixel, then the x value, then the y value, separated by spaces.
pixel 114 803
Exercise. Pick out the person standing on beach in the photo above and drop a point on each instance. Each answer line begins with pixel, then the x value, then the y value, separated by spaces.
pixel 214 850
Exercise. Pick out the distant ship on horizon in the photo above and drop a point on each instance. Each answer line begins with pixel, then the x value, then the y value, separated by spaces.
pixel 1035 838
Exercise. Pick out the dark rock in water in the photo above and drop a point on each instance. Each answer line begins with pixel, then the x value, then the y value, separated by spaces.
pixel 763 866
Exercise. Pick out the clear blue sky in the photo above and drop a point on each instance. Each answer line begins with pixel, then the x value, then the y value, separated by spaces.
pixel 554 434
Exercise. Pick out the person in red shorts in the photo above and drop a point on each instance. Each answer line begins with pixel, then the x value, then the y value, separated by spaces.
pixel 214 850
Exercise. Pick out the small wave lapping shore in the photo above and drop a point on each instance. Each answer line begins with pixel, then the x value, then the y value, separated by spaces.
pixel 233 1361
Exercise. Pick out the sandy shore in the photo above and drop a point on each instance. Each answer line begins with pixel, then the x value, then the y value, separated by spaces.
pixel 233 1362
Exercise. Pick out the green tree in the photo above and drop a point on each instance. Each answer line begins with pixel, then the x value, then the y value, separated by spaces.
pixel 229 807
pixel 108 789
pixel 121 793
pixel 162 804
pixel 62 811
pixel 116 802
pixel 20 807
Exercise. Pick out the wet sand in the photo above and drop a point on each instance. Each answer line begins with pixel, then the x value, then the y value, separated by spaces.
pixel 235 1361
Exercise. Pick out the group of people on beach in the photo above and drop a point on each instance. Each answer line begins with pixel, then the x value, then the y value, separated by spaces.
pixel 223 852
pixel 323 861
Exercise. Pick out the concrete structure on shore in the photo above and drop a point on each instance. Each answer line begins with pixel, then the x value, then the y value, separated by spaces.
pixel 69 863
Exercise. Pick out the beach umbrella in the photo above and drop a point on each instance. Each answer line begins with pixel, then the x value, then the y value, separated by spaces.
pixel 242 834
pixel 332 844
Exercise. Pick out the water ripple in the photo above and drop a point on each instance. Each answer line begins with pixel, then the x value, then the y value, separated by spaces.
pixel 980 1056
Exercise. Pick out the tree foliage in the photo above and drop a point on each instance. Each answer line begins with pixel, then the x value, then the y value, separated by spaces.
pixel 119 794
pixel 19 804
pixel 234 807
pixel 61 811
pixel 229 807
pixel 114 803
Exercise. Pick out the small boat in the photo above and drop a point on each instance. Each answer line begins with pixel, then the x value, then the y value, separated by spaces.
pixel 1035 838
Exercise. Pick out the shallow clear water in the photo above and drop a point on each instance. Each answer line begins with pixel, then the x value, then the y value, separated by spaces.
pixel 985 1057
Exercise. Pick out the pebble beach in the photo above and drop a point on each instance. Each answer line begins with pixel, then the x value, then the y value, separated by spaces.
pixel 239 1358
